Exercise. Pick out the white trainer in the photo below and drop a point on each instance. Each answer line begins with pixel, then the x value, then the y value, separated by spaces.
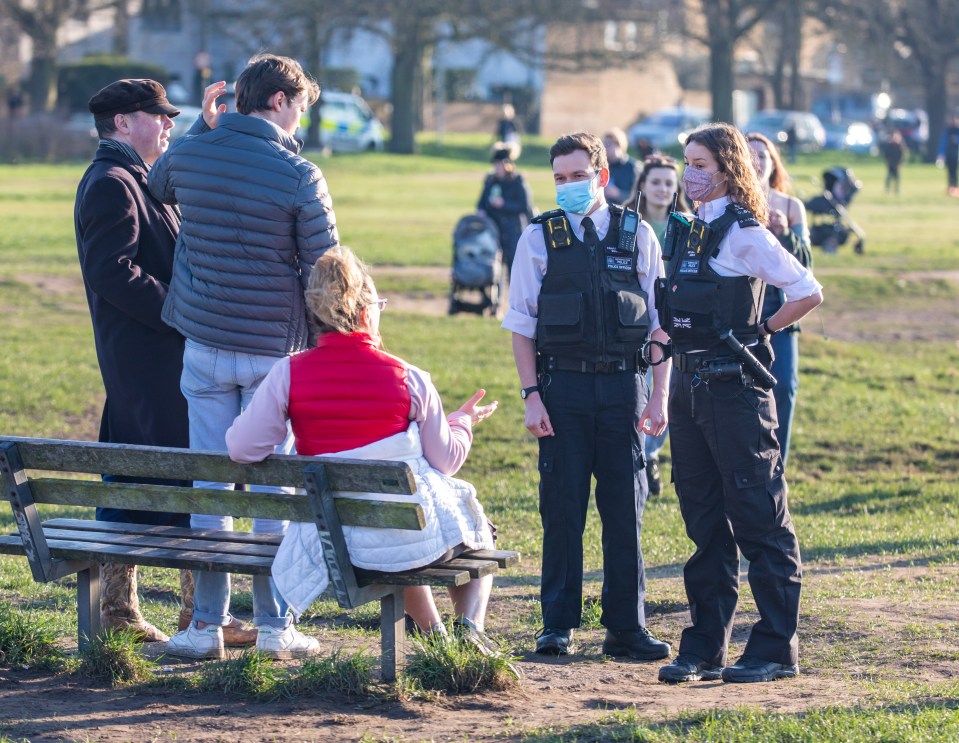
pixel 197 643
pixel 285 644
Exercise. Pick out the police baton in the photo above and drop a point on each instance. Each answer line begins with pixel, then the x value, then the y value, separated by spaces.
pixel 750 363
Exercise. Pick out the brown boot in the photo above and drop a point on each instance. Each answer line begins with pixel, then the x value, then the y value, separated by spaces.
pixel 239 634
pixel 186 600
pixel 119 605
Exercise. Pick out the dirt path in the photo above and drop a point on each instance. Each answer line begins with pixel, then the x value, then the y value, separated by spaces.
pixel 555 692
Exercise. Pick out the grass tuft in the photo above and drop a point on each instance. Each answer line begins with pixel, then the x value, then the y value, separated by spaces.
pixel 27 640
pixel 347 674
pixel 250 675
pixel 451 664
pixel 114 657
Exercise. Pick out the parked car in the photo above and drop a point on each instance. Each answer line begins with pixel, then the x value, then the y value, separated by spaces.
pixel 347 123
pixel 776 125
pixel 853 136
pixel 183 122
pixel 668 127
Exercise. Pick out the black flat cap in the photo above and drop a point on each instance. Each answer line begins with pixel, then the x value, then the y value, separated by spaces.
pixel 127 96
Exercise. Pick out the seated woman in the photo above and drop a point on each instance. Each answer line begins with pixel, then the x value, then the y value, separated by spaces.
pixel 350 398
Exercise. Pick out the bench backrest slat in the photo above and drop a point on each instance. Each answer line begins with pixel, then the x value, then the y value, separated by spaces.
pixel 17 491
pixel 176 499
pixel 375 476
pixel 26 462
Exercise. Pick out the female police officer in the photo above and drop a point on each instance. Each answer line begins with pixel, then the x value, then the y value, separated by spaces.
pixel 722 416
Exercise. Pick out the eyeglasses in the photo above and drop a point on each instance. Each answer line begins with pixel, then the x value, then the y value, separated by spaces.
pixel 380 303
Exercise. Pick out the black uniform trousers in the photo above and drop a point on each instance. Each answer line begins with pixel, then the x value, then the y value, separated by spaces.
pixel 594 417
pixel 729 477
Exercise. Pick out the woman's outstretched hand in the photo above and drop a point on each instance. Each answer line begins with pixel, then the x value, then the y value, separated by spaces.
pixel 477 412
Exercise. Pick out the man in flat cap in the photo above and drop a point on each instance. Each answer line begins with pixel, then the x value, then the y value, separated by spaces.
pixel 125 239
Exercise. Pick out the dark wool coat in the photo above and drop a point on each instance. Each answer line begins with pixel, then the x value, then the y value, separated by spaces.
pixel 125 240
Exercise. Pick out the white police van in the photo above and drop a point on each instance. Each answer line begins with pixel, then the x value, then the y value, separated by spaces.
pixel 347 124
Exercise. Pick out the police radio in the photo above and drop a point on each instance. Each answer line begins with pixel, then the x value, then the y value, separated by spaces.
pixel 629 226
pixel 669 237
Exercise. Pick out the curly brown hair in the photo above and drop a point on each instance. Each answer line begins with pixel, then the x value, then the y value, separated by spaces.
pixel 728 145
pixel 339 288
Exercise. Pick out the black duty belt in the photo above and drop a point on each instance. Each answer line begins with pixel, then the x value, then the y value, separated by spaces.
pixel 690 362
pixel 561 363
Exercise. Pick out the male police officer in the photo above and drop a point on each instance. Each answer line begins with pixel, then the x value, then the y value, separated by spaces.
pixel 580 311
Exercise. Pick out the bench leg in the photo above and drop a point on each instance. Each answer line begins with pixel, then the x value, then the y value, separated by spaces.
pixel 88 604
pixel 393 634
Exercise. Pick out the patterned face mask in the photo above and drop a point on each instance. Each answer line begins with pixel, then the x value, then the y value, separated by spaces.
pixel 698 184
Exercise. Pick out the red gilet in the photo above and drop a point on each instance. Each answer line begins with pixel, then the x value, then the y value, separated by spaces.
pixel 346 393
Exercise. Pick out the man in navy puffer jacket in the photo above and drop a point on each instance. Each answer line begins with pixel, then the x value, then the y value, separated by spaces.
pixel 256 216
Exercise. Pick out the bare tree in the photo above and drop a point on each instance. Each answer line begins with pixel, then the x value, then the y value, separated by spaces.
pixel 725 23
pixel 923 33
pixel 41 20
pixel 415 28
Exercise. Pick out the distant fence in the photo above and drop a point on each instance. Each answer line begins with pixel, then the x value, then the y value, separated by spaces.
pixel 46 138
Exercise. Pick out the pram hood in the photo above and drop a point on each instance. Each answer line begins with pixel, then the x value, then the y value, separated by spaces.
pixel 841 183
pixel 475 251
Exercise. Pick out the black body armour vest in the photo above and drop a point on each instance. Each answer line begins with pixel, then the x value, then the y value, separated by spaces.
pixel 591 305
pixel 695 303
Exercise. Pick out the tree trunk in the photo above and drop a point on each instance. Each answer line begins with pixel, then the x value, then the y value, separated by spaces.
pixel 405 84
pixel 42 84
pixel 935 90
pixel 121 28
pixel 721 78
pixel 314 67
pixel 793 14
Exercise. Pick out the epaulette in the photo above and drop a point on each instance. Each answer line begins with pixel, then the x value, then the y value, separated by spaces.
pixel 546 216
pixel 745 217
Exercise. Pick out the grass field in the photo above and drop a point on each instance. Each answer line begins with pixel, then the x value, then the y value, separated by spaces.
pixel 873 469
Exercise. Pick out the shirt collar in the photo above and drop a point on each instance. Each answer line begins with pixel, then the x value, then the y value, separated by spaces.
pixel 710 210
pixel 600 219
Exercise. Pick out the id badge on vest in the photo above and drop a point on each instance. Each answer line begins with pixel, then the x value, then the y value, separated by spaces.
pixel 618 260
pixel 691 262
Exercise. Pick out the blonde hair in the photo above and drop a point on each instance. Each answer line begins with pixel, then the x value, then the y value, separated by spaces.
pixel 340 287
pixel 728 145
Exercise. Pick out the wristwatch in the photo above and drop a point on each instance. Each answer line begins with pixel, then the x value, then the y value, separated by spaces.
pixel 527 391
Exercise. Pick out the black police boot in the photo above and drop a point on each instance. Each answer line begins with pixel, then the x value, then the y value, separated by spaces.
pixel 749 669
pixel 635 643
pixel 554 641
pixel 653 479
pixel 689 667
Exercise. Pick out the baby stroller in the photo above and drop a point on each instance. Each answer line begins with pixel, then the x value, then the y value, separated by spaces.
pixel 829 222
pixel 477 266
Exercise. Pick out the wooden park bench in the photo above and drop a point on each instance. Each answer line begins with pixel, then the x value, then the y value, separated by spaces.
pixel 39 472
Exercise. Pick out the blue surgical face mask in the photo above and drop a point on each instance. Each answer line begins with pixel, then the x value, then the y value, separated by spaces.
pixel 578 197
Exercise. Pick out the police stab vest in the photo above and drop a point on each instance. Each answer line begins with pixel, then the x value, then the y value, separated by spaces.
pixel 346 393
pixel 696 303
pixel 591 305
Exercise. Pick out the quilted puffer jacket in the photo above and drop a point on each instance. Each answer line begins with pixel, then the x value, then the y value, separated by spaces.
pixel 256 216
pixel 454 516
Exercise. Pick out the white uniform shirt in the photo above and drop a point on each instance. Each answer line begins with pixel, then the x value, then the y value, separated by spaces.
pixel 755 251
pixel 529 268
